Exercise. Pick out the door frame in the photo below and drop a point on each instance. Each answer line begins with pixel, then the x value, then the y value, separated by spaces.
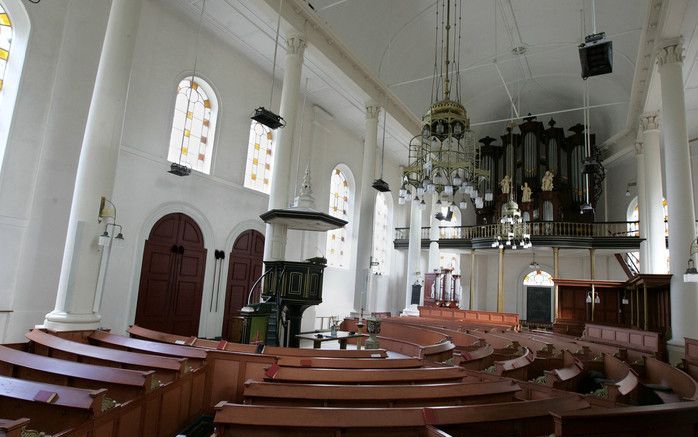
pixel 156 214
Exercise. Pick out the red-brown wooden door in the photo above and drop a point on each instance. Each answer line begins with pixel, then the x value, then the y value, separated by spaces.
pixel 244 268
pixel 172 276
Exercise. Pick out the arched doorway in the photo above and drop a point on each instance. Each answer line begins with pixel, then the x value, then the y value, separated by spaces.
pixel 538 286
pixel 172 276
pixel 244 268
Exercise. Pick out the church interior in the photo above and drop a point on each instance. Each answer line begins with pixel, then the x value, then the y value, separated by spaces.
pixel 348 218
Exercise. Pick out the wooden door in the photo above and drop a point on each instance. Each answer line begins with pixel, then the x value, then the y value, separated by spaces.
pixel 244 268
pixel 172 276
pixel 538 304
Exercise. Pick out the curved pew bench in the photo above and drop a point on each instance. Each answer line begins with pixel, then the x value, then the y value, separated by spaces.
pixel 13 428
pixel 623 383
pixel 527 418
pixel 516 368
pixel 378 396
pixel 477 359
pixel 167 369
pixel 364 376
pixel 348 363
pixel 52 408
pixel 658 373
pixel 567 377
pixel 149 334
pixel 196 357
pixel 123 384
pixel 675 420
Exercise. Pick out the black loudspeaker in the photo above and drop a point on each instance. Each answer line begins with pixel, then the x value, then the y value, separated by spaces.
pixel 596 55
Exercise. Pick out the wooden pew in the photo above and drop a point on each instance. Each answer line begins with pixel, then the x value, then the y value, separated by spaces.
pixel 516 368
pixel 167 369
pixel 638 343
pixel 486 317
pixel 675 420
pixel 123 384
pixel 690 360
pixel 148 334
pixel 478 359
pixel 364 376
pixel 623 382
pixel 378 396
pixel 13 428
pixel 195 357
pixel 567 377
pixel 349 363
pixel 52 408
pixel 181 397
pixel 529 418
pixel 682 386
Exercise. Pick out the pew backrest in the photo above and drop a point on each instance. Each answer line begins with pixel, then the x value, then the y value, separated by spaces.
pixel 348 363
pixel 659 372
pixel 146 346
pixel 13 428
pixel 364 376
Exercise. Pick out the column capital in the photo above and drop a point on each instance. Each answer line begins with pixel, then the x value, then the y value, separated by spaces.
pixel 373 110
pixel 295 44
pixel 670 51
pixel 649 121
pixel 639 147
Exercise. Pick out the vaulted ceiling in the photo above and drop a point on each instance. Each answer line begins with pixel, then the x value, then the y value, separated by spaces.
pixel 523 51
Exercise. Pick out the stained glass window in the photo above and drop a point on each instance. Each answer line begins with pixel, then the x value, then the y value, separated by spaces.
pixel 260 158
pixel 5 42
pixel 193 125
pixel 450 261
pixel 381 232
pixel 539 278
pixel 337 244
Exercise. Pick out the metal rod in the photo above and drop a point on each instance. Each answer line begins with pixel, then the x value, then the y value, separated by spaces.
pixel 276 49
pixel 506 88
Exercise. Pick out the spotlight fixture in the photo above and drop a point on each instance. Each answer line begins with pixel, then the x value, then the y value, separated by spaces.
pixel 381 185
pixel 179 169
pixel 268 118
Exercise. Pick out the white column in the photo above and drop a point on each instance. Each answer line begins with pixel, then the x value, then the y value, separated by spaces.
pixel 434 253
pixel 367 210
pixel 653 193
pixel 77 286
pixel 413 252
pixel 677 168
pixel 642 207
pixel 279 195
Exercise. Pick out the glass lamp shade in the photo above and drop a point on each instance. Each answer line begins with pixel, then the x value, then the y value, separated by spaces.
pixel 401 200
pixel 463 204
pixel 448 189
pixel 488 196
pixel 457 180
pixel 420 191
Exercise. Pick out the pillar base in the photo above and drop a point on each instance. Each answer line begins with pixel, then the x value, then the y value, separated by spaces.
pixel 410 311
pixel 62 321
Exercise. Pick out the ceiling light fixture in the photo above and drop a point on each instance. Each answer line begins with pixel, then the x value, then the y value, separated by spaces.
pixel 445 158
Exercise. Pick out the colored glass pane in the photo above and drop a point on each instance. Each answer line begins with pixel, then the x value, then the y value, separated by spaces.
pixel 260 160
pixel 193 125
pixel 539 278
pixel 5 42
pixel 340 194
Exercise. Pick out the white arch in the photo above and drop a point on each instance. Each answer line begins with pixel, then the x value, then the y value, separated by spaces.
pixel 521 290
pixel 209 242
pixel 21 28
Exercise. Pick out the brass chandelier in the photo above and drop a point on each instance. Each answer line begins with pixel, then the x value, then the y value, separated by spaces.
pixel 444 159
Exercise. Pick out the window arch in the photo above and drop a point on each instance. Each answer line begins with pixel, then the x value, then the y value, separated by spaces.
pixel 633 217
pixel 381 232
pixel 341 200
pixel 15 29
pixel 450 261
pixel 260 158
pixel 193 125
pixel 539 278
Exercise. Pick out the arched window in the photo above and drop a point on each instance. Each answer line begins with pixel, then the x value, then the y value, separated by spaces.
pixel 539 278
pixel 193 125
pixel 340 206
pixel 381 232
pixel 260 159
pixel 5 42
pixel 450 261
pixel 633 218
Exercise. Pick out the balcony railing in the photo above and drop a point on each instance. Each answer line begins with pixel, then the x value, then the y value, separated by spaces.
pixel 537 229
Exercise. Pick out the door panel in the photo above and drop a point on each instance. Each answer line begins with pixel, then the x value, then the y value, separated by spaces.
pixel 244 268
pixel 172 276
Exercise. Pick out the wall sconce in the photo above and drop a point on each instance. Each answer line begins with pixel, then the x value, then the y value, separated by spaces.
pixel 106 210
pixel 691 274
pixel 597 299
pixel 627 188
pixel 107 238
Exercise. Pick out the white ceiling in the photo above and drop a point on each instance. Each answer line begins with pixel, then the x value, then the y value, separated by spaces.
pixel 394 39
